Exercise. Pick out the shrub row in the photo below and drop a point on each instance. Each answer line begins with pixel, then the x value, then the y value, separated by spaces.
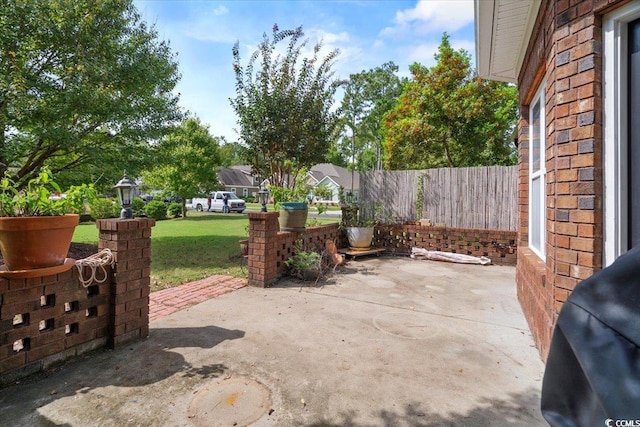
pixel 106 208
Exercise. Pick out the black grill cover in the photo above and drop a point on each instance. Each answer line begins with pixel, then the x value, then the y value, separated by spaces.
pixel 593 368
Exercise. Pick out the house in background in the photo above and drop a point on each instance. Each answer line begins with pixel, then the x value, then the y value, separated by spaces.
pixel 333 177
pixel 239 180
pixel 577 67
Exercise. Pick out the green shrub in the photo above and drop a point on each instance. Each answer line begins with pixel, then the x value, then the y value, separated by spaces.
pixel 137 206
pixel 175 209
pixel 156 209
pixel 102 208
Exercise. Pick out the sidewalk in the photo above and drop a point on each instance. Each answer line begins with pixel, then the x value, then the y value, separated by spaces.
pixel 167 301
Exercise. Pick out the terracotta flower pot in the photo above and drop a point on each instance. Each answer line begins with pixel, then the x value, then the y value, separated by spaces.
pixel 244 247
pixel 35 242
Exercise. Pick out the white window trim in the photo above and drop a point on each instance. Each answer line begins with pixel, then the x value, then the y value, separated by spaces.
pixel 541 174
pixel 615 130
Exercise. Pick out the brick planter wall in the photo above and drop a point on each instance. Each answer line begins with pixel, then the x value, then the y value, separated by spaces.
pixel 498 245
pixel 45 320
pixel 269 248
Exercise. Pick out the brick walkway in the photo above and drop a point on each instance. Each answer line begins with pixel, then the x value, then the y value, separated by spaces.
pixel 167 301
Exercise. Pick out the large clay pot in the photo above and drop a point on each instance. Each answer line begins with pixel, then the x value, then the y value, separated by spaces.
pixel 293 216
pixel 360 237
pixel 36 242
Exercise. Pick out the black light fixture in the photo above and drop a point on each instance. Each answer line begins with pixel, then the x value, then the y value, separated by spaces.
pixel 263 198
pixel 125 189
pixel 349 198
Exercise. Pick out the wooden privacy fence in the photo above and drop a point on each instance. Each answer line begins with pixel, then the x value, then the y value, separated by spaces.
pixel 478 197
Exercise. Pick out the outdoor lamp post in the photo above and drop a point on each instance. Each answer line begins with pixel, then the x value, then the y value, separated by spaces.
pixel 349 198
pixel 125 195
pixel 263 198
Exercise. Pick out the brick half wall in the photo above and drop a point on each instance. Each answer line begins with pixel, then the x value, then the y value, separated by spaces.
pixel 269 248
pixel 46 320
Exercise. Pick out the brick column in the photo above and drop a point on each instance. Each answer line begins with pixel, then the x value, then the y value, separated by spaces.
pixel 263 232
pixel 130 242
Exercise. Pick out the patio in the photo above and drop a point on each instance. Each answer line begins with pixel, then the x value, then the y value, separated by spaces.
pixel 389 341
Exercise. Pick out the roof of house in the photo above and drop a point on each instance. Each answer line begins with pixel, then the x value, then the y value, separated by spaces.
pixel 241 175
pixel 236 176
pixel 503 29
pixel 244 168
pixel 340 175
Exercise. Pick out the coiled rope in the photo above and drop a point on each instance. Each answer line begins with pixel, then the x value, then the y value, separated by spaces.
pixel 95 261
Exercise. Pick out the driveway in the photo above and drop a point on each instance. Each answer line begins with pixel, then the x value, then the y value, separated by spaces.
pixel 386 342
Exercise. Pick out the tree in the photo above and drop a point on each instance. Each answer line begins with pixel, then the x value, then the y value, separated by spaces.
pixel 187 160
pixel 232 153
pixel 449 117
pixel 284 109
pixel 84 86
pixel 369 95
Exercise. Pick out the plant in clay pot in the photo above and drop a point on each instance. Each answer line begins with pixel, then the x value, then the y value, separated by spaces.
pixel 358 222
pixel 37 223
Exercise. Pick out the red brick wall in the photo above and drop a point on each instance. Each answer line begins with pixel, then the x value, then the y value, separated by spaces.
pixel 498 245
pixel 269 248
pixel 565 52
pixel 61 319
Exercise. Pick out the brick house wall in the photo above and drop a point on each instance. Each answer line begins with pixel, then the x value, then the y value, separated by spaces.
pixel 565 53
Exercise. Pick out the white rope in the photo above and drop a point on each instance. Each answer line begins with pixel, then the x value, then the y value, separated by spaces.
pixel 95 261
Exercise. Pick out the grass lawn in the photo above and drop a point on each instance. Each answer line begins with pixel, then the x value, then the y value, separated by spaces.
pixel 184 250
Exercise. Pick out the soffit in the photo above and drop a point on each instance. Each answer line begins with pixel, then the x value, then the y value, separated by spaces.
pixel 503 29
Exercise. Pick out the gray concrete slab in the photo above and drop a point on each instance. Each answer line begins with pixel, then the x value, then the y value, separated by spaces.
pixel 387 342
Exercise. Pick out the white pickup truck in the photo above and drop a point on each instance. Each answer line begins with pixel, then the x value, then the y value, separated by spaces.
pixel 217 202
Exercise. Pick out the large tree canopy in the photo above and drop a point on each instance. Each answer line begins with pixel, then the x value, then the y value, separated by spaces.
pixel 284 108
pixel 449 117
pixel 368 96
pixel 186 162
pixel 84 85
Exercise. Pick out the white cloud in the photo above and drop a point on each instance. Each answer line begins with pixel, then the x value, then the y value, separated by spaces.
pixel 431 16
pixel 424 53
pixel 220 10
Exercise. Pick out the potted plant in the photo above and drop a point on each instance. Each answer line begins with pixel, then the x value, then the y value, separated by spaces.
pixel 244 243
pixel 37 223
pixel 358 227
pixel 292 206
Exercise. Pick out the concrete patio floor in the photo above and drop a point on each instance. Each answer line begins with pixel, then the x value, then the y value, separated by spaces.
pixel 386 342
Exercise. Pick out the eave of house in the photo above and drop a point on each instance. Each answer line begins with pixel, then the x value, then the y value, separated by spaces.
pixel 328 180
pixel 503 29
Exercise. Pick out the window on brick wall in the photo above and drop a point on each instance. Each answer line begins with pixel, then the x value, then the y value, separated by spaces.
pixel 621 54
pixel 537 173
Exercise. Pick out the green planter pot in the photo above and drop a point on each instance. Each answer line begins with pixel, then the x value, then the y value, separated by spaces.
pixel 293 216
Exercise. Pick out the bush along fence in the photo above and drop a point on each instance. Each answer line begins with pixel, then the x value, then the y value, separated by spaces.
pixel 46 320
pixel 269 247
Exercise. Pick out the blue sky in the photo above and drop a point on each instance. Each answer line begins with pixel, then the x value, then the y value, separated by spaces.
pixel 367 32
